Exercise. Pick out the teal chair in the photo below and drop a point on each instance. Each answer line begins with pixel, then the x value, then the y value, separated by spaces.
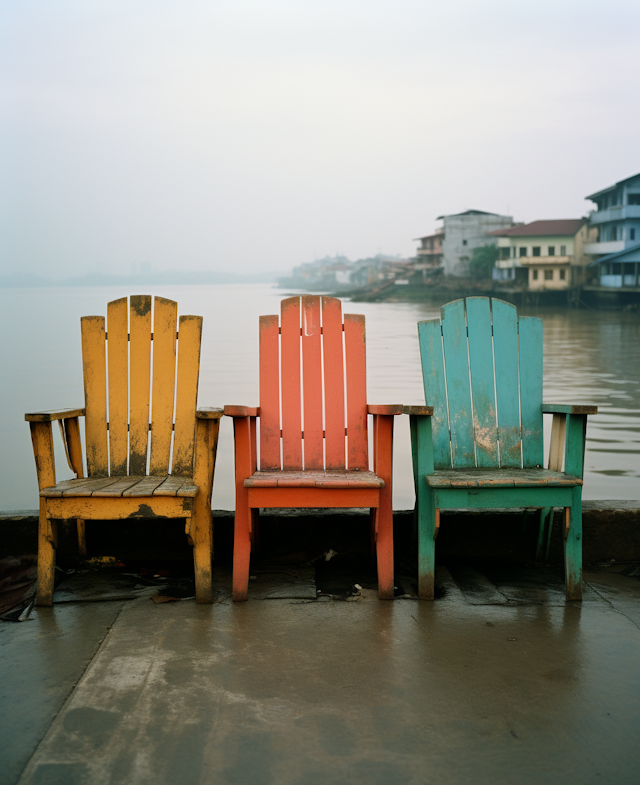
pixel 478 443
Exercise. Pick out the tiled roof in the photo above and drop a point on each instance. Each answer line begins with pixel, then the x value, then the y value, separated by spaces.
pixel 564 227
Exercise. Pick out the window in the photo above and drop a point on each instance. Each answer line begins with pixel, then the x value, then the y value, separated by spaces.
pixel 633 199
pixel 523 252
pixel 548 275
pixel 536 250
pixel 464 242
pixel 563 250
pixel 632 234
pixel 504 253
pixel 551 250
pixel 534 275
pixel 563 275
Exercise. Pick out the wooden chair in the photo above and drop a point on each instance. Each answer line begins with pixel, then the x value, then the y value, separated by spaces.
pixel 312 385
pixel 479 442
pixel 135 469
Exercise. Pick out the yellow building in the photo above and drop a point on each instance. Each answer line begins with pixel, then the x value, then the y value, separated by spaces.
pixel 544 254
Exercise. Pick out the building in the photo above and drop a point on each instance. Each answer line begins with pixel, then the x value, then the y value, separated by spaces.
pixel 544 254
pixel 617 222
pixel 465 231
pixel 429 254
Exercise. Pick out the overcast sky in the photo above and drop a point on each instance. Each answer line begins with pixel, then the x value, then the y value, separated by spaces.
pixel 253 135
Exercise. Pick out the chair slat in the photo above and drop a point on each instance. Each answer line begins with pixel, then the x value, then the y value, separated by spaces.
pixel 485 423
pixel 95 395
pixel 312 382
pixel 139 381
pixel 435 392
pixel 269 393
pixel 118 366
pixel 505 344
pixel 454 334
pixel 163 385
pixel 356 367
pixel 290 373
pixel 189 340
pixel 333 383
pixel 531 374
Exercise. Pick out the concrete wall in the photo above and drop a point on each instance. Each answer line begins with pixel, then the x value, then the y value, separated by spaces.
pixel 463 233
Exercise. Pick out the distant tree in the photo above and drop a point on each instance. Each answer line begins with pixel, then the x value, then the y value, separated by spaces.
pixel 482 261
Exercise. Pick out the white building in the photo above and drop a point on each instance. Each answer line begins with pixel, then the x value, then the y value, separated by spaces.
pixel 465 231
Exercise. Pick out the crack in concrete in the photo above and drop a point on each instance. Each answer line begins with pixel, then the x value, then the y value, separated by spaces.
pixel 609 602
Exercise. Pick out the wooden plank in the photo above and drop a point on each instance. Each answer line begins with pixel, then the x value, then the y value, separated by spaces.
pixel 95 394
pixel 101 508
pixel 121 485
pixel 356 381
pixel 563 408
pixel 485 422
pixel 313 497
pixel 65 485
pixel 144 487
pixel 269 393
pixel 42 441
pixel 53 414
pixel 176 486
pixel 290 381
pixel 189 339
pixel 505 343
pixel 163 386
pixel 557 442
pixel 140 374
pixel 435 391
pixel 333 350
pixel 312 382
pixel 117 364
pixel 484 478
pixel 89 486
pixel 456 354
pixel 530 355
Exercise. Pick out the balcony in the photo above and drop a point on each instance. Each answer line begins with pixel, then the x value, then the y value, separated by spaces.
pixel 618 213
pixel 530 261
pixel 598 249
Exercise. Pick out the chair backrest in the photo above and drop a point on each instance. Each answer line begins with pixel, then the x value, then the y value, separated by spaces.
pixel 129 374
pixel 482 370
pixel 313 401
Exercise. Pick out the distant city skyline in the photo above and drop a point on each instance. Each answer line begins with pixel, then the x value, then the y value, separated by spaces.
pixel 248 137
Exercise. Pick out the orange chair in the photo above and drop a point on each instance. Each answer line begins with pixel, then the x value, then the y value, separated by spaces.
pixel 313 430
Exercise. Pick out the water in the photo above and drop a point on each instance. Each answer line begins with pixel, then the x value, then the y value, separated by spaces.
pixel 590 357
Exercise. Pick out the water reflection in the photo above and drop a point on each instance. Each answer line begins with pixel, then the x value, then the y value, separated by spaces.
pixel 590 357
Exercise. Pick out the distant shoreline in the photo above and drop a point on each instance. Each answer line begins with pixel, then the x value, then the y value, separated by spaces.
pixel 193 278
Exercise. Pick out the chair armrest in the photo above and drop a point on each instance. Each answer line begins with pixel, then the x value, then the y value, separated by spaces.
pixel 567 408
pixel 418 410
pixel 390 408
pixel 209 413
pixel 54 414
pixel 241 411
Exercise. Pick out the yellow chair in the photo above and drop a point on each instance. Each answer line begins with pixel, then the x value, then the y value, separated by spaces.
pixel 136 466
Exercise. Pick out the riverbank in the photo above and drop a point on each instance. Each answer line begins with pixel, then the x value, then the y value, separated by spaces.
pixel 445 290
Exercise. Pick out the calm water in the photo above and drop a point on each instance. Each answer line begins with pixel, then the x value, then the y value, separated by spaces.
pixel 590 357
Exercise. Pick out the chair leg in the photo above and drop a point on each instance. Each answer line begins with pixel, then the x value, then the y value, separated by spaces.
pixel 241 553
pixel 573 548
pixel 47 531
pixel 202 536
pixel 82 538
pixel 426 542
pixel 544 520
pixel 384 551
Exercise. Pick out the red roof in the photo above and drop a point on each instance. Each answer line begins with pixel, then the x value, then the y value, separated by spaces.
pixel 565 227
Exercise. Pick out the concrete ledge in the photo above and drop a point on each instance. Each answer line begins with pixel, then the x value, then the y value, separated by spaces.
pixel 611 531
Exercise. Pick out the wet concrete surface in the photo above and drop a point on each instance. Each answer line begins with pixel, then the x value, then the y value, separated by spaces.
pixel 499 681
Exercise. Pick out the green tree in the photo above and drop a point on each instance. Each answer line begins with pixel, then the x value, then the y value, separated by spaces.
pixel 482 261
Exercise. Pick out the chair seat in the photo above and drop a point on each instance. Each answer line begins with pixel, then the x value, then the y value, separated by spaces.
pixel 497 478
pixel 314 479
pixel 128 486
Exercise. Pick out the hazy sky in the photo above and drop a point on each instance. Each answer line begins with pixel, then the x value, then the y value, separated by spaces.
pixel 255 135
